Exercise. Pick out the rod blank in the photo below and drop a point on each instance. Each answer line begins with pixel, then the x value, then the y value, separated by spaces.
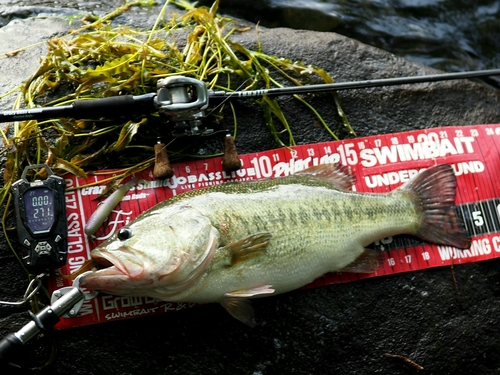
pixel 354 84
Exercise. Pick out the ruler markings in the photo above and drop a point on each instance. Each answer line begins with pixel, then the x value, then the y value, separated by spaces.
pixel 380 163
pixel 480 218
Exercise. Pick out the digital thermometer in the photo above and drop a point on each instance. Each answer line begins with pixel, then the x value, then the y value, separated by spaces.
pixel 41 219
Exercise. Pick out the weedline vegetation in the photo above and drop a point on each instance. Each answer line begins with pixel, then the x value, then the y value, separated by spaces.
pixel 101 60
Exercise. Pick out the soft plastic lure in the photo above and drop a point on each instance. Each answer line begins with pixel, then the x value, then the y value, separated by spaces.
pixel 104 209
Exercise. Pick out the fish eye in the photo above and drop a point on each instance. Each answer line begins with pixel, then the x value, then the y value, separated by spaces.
pixel 124 233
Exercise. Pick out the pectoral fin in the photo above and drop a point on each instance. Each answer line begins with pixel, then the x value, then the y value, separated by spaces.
pixel 368 262
pixel 247 248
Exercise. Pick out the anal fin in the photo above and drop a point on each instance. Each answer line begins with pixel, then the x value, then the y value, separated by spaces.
pixel 237 304
pixel 240 309
pixel 369 261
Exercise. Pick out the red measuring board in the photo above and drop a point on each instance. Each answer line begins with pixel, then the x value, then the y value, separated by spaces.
pixel 380 163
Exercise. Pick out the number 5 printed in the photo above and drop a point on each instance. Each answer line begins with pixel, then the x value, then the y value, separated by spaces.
pixel 478 218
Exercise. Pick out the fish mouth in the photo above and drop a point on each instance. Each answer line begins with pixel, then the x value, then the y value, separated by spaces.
pixel 121 263
pixel 101 263
pixel 113 271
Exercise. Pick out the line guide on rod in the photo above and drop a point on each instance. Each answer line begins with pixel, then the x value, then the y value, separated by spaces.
pixel 185 99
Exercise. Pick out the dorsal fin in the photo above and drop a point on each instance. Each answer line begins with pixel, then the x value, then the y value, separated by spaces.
pixel 337 175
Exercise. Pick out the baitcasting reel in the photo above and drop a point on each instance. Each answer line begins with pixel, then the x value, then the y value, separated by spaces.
pixel 183 100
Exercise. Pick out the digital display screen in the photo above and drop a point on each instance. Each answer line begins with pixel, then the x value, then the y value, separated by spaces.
pixel 39 207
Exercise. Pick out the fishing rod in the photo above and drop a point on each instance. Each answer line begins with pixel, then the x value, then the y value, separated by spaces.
pixel 185 99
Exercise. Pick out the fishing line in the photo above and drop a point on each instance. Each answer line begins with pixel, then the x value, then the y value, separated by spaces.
pixel 30 291
pixel 228 97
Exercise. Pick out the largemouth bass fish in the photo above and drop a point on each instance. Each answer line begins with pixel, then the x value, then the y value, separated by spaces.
pixel 235 241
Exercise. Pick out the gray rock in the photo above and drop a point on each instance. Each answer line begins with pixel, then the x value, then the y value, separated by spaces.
pixel 344 329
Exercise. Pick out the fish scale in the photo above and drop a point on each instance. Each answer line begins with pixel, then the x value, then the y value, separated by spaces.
pixel 327 243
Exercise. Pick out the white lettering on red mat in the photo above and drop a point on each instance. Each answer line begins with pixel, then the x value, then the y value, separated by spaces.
pixel 478 247
pixel 115 223
pixel 392 178
pixel 472 151
pixel 468 167
pixel 263 169
pixel 86 309
pixel 74 263
pixel 70 196
pixel 92 190
pixel 429 148
pixel 75 238
pixel 135 196
pixel 113 302
pixel 496 243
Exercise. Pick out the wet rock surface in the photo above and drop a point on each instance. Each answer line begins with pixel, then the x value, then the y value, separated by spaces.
pixel 446 327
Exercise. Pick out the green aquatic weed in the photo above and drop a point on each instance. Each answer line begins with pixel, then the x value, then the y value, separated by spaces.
pixel 101 59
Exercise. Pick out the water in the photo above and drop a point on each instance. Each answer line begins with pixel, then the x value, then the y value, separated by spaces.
pixel 451 35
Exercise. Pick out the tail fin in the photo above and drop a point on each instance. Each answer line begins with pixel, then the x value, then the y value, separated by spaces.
pixel 434 190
